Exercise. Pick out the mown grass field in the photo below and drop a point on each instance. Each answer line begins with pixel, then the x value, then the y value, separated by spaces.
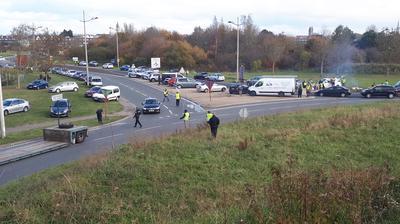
pixel 40 101
pixel 335 165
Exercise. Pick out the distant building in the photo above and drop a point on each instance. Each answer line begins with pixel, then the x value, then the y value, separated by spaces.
pixel 302 39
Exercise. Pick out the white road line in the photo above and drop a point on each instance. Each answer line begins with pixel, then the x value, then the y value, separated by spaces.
pixel 99 139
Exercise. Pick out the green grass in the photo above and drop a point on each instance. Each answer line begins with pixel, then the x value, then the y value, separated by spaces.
pixel 36 133
pixel 357 80
pixel 7 53
pixel 40 101
pixel 189 178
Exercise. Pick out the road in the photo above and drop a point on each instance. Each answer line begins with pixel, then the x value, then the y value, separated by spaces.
pixel 108 137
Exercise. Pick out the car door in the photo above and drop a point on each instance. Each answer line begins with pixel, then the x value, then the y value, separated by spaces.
pixel 13 107
pixel 377 91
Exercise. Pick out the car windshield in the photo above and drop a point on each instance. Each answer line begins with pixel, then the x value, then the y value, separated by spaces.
pixel 7 103
pixel 95 89
pixel 37 82
pixel 96 80
pixel 60 104
pixel 151 101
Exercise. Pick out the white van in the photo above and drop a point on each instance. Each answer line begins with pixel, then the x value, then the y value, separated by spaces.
pixel 96 81
pixel 274 85
pixel 112 93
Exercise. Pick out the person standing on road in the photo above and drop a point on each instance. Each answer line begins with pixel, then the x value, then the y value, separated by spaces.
pixel 186 118
pixel 299 92
pixel 166 95
pixel 99 114
pixel 177 98
pixel 214 123
pixel 136 116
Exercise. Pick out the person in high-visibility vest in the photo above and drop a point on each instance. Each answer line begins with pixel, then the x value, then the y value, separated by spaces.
pixel 208 115
pixel 166 94
pixel 177 98
pixel 186 118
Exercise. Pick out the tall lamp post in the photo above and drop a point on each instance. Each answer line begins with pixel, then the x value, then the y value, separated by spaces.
pixel 116 37
pixel 2 124
pixel 237 24
pixel 84 35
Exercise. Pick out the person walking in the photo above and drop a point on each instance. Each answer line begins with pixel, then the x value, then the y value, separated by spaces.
pixel 99 114
pixel 136 116
pixel 177 98
pixel 186 118
pixel 299 92
pixel 214 123
pixel 166 95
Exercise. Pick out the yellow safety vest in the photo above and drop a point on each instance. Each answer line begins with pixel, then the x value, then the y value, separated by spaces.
pixel 165 92
pixel 186 116
pixel 209 116
pixel 178 96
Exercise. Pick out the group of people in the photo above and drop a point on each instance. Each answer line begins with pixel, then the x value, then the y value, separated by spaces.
pixel 211 118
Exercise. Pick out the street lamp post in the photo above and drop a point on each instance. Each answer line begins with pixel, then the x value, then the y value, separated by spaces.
pixel 237 24
pixel 116 37
pixel 84 36
pixel 2 124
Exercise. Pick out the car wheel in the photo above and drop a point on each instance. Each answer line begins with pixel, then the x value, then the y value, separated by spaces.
pixel 152 80
pixel 179 86
pixel 206 90
pixel 281 94
pixel 58 90
pixel 390 96
pixel 368 95
pixel 6 112
pixel 117 98
pixel 75 89
pixel 37 88
pixel 25 109
pixel 253 93
pixel 223 89
pixel 342 94
pixel 321 94
pixel 67 114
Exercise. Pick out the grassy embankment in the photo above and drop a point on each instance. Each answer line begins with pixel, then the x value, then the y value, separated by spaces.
pixel 40 101
pixel 321 166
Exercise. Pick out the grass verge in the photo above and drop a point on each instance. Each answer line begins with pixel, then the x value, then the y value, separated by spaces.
pixel 40 101
pixel 36 133
pixel 335 165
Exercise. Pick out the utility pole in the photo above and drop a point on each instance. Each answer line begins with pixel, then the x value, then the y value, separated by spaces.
pixel 116 39
pixel 2 124
pixel 86 51
pixel 237 24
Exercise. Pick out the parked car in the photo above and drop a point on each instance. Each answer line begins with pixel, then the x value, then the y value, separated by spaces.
pixel 215 88
pixel 125 67
pixel 235 88
pixel 93 63
pixel 15 105
pixel 60 108
pixel 217 77
pixel 71 73
pixel 397 88
pixel 96 81
pixel 91 91
pixel 154 77
pixel 254 80
pixel 64 86
pixel 38 84
pixel 82 63
pixel 334 91
pixel 201 76
pixel 134 75
pixel 186 83
pixel 108 66
pixel 112 93
pixel 379 91
pixel 151 105
pixel 279 85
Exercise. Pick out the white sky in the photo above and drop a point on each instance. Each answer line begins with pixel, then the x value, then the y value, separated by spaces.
pixel 288 16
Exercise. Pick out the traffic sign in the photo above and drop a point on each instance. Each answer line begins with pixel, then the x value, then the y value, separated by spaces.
pixel 56 97
pixel 155 63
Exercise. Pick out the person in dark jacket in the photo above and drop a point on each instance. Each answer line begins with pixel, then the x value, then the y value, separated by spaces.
pixel 299 92
pixel 99 114
pixel 136 116
pixel 214 122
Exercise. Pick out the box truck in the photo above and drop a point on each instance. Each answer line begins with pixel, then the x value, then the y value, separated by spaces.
pixel 271 85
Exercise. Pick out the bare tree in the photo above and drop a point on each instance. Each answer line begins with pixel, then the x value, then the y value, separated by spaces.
pixel 274 48
pixel 319 47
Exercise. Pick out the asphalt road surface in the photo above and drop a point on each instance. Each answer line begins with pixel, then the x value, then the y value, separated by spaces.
pixel 108 137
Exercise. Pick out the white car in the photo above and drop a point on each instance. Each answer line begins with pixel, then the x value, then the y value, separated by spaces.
pixel 154 77
pixel 71 73
pixel 218 77
pixel 108 66
pixel 15 105
pixel 215 88
pixel 82 63
pixel 112 93
pixel 64 86
pixel 96 81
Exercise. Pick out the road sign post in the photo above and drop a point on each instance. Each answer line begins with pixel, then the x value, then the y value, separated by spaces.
pixel 155 63
pixel 2 124
pixel 209 84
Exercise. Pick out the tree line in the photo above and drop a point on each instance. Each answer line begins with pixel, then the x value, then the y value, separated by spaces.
pixel 214 48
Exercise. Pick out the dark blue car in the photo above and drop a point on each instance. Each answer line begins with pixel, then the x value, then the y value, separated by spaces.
pixel 60 108
pixel 151 105
pixel 38 84
pixel 124 67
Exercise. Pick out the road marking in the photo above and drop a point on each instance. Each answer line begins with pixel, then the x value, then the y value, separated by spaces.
pixel 112 136
pixel 145 129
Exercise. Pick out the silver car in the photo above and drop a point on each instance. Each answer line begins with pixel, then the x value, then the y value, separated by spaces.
pixel 64 86
pixel 186 83
pixel 15 105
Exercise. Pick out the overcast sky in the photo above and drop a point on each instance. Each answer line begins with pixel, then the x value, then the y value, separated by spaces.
pixel 288 16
